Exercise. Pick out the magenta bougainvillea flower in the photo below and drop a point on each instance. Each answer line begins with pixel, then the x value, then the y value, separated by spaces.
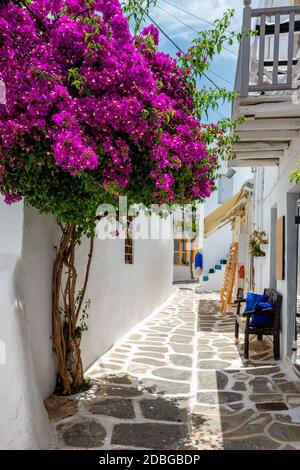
pixel 100 101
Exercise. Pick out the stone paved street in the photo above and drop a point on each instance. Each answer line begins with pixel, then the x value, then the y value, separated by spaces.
pixel 180 382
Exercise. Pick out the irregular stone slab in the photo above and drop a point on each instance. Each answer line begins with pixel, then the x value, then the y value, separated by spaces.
pixel 262 385
pixel 222 343
pixel 215 398
pixel 284 418
pixel 276 406
pixel 256 425
pixel 203 342
pixel 180 339
pixel 60 407
pixel 263 370
pixel 118 391
pixel 151 435
pixel 119 408
pixel 294 400
pixel 86 434
pixel 212 380
pixel 166 387
pixel 185 332
pixel 239 387
pixel 136 336
pixel 151 354
pixel 205 355
pixel 137 368
pixel 156 336
pixel 235 406
pixel 213 364
pixel 163 410
pixel 119 379
pixel 258 357
pixel 229 349
pixel 279 376
pixel 153 349
pixel 289 387
pixel 251 443
pixel 109 366
pixel 118 356
pixel 238 375
pixel 123 349
pixel 149 361
pixel 233 420
pixel 173 374
pixel 182 348
pixel 285 432
pixel 265 398
pixel 181 360
pixel 160 329
pixel 230 356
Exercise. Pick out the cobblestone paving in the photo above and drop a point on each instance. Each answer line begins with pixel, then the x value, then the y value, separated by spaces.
pixel 180 382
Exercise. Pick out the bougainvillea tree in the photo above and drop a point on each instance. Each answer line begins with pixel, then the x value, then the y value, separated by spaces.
pixel 92 113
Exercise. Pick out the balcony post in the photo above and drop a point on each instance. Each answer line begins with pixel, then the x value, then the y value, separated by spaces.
pixel 245 49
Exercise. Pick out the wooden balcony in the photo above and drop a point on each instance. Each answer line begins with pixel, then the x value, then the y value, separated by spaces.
pixel 267 85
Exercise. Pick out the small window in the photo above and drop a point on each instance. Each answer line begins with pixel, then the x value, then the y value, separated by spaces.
pixel 129 242
pixel 225 189
pixel 181 252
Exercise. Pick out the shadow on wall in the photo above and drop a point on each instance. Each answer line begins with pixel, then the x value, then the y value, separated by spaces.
pixel 32 429
pixel 33 282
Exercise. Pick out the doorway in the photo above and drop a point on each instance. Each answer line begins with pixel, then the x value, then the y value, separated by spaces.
pixel 273 281
pixel 296 343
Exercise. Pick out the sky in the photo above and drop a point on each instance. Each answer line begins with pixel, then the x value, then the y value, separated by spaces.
pixel 166 15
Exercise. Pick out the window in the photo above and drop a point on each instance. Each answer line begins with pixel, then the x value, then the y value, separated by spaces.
pixel 225 189
pixel 129 242
pixel 181 252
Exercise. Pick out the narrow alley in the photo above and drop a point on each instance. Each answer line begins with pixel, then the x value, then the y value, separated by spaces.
pixel 179 381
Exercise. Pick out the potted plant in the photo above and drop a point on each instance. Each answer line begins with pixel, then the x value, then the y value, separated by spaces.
pixel 256 240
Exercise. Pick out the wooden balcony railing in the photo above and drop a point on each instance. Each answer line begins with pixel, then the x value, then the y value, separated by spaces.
pixel 269 61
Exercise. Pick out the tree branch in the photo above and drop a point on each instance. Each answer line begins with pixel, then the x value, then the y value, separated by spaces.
pixel 36 17
pixel 86 276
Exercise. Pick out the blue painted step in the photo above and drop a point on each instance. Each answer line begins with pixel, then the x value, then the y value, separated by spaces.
pixel 218 267
pixel 205 278
pixel 223 261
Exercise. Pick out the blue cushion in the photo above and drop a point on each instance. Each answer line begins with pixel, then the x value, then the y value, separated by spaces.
pixel 252 299
pixel 261 319
pixel 262 305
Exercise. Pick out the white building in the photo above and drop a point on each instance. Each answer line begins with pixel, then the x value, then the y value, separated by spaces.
pixel 268 87
pixel 121 296
pixel 215 246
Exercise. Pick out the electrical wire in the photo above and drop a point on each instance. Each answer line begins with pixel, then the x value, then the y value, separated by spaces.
pixel 188 13
pixel 175 45
pixel 191 27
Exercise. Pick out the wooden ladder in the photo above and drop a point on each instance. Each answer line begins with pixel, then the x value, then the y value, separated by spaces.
pixel 227 289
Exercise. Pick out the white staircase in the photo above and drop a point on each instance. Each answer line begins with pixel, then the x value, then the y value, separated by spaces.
pixel 213 281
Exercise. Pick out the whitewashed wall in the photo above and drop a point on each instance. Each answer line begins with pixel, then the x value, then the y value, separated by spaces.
pixel 274 190
pixel 181 273
pixel 24 328
pixel 216 246
pixel 121 296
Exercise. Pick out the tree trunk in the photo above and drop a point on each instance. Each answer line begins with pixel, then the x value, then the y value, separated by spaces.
pixel 67 302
